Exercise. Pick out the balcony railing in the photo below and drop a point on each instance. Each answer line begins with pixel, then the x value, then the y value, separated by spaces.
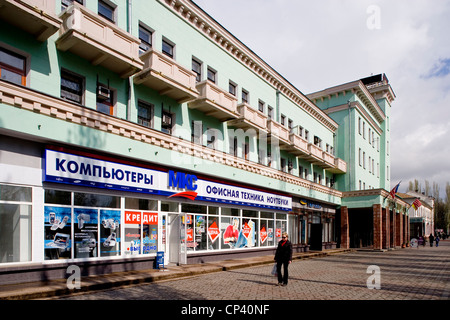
pixel 279 132
pixel 36 17
pixel 215 102
pixel 99 41
pixel 249 118
pixel 166 76
pixel 316 153
pixel 340 166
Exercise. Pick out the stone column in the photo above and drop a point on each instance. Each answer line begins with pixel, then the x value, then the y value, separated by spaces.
pixel 345 238
pixel 386 228
pixel 377 227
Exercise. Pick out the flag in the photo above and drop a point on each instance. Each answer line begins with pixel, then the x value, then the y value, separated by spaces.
pixel 416 204
pixel 394 190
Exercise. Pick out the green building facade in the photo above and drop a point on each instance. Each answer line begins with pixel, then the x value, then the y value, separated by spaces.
pixel 129 128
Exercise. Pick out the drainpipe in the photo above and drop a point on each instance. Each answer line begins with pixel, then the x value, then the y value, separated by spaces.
pixel 350 146
pixel 130 78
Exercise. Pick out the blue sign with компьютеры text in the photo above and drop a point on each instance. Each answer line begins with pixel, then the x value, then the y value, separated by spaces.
pixel 100 172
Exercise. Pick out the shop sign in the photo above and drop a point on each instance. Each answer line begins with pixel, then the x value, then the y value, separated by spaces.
pixel 263 234
pixel 132 217
pixel 213 232
pixel 89 171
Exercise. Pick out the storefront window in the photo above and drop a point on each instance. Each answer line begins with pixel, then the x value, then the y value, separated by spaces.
pixel 15 224
pixel 230 229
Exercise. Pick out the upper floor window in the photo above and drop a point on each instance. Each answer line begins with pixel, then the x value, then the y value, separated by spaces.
pixel 167 122
pixel 211 75
pixel 244 96
pixel 232 88
pixel 145 114
pixel 261 105
pixel 106 10
pixel 72 86
pixel 145 35
pixel 167 48
pixel 197 68
pixel 67 3
pixel 105 101
pixel 269 112
pixel 12 67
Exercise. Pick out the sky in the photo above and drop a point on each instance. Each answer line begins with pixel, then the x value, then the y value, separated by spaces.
pixel 320 44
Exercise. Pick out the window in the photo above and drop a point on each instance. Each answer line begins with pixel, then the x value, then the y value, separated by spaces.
pixel 360 157
pixel 145 36
pixel 211 75
pixel 290 125
pixel 12 67
pixel 261 106
pixel 197 68
pixel 269 112
pixel 167 48
pixel 233 145
pixel 167 122
pixel 317 141
pixel 359 126
pixel 283 164
pixel 283 120
pixel 145 114
pixel 106 10
pixel 232 88
pixel 72 86
pixel 67 3
pixel 211 141
pixel 15 226
pixel 197 132
pixel 244 96
pixel 105 101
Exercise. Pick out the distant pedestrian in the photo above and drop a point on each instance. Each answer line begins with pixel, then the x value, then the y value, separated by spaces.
pixel 283 256
pixel 419 242
pixel 437 241
pixel 431 238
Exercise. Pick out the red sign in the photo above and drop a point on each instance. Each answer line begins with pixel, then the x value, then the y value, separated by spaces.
pixel 246 230
pixel 263 234
pixel 278 233
pixel 190 235
pixel 137 217
pixel 213 232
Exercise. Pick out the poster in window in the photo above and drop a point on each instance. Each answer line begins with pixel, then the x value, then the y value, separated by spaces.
pixel 57 233
pixel 109 233
pixel 85 232
pixel 231 233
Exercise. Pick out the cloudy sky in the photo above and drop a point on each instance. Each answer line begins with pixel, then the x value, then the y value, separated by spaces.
pixel 319 44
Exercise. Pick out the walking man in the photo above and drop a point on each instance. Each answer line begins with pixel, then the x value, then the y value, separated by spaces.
pixel 283 256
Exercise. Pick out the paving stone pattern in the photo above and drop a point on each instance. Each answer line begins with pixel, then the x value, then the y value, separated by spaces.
pixel 405 274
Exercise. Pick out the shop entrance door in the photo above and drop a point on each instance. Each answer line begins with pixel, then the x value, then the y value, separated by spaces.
pixel 176 248
pixel 316 237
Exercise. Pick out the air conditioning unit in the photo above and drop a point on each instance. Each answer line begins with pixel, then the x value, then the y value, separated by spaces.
pixel 103 93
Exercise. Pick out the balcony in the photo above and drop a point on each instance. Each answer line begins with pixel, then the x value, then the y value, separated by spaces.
pixel 164 75
pixel 249 119
pixel 215 102
pixel 36 17
pixel 316 154
pixel 340 166
pixel 298 145
pixel 279 132
pixel 99 41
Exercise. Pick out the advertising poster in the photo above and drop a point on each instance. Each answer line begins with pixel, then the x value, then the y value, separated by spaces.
pixel 109 233
pixel 57 233
pixel 132 232
pixel 150 232
pixel 85 232
pixel 231 233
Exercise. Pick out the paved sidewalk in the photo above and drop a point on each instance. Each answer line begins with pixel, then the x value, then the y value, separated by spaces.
pixel 47 289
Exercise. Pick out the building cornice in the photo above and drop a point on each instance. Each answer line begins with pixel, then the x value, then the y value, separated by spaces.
pixel 205 24
pixel 361 91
